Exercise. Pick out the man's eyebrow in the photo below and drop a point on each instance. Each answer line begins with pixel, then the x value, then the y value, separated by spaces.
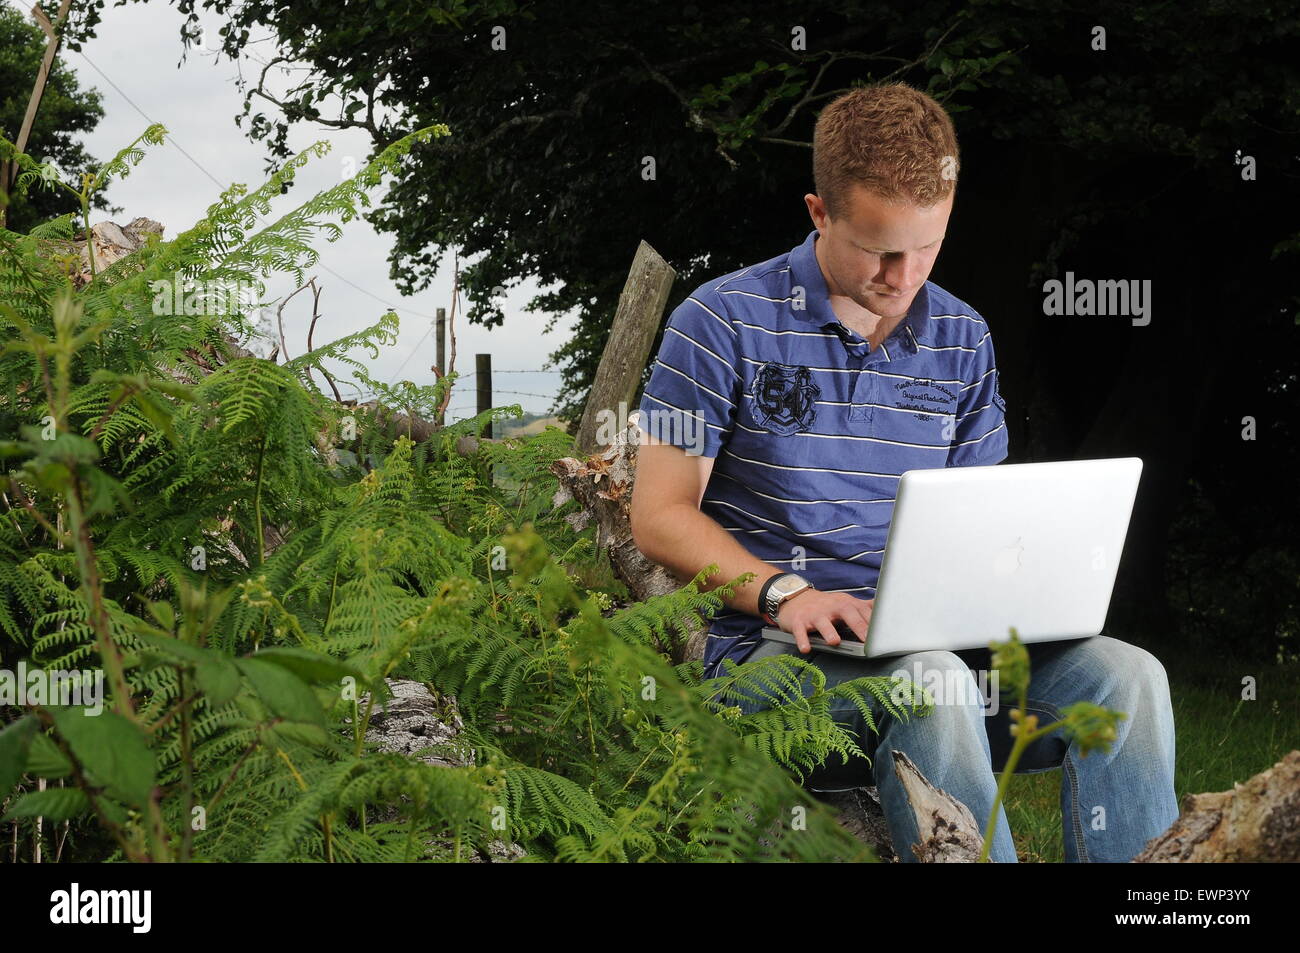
pixel 878 251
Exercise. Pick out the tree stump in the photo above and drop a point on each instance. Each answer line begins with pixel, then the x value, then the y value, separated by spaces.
pixel 948 831
pixel 1256 822
pixel 602 486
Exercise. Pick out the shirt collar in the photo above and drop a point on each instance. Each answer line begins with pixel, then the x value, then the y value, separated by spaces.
pixel 806 273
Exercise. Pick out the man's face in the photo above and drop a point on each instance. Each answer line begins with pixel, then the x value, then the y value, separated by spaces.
pixel 879 254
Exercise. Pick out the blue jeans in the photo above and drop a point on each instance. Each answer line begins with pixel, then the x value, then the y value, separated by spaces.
pixel 1112 803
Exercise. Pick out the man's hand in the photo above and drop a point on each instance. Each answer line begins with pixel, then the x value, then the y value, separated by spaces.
pixel 814 610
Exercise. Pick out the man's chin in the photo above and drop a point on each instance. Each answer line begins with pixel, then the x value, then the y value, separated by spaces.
pixel 888 307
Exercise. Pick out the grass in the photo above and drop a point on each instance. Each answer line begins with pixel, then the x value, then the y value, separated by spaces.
pixel 1222 740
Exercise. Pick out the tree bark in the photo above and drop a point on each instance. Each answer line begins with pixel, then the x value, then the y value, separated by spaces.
pixel 1255 822
pixel 602 486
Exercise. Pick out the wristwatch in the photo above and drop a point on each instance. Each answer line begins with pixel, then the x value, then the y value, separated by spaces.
pixel 777 590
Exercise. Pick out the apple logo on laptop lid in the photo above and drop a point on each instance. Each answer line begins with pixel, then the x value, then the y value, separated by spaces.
pixel 1007 561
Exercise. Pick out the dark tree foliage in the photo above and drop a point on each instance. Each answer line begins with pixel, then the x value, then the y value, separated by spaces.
pixel 66 112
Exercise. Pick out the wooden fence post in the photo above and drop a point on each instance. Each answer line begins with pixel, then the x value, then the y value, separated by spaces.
pixel 636 322
pixel 441 337
pixel 483 382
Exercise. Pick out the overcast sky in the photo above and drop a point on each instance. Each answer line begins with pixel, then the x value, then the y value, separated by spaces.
pixel 135 64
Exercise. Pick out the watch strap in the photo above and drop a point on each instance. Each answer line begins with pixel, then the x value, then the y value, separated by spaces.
pixel 770 617
pixel 762 597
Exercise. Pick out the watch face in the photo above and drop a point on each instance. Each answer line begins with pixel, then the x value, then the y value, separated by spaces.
pixel 785 586
pixel 781 589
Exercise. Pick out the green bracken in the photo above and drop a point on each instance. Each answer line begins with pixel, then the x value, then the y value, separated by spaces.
pixel 247 561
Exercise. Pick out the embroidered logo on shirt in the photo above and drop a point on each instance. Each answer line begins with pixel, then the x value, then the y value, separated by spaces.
pixel 926 397
pixel 784 397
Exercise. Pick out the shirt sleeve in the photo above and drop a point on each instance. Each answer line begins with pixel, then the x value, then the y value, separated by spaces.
pixel 980 434
pixel 694 388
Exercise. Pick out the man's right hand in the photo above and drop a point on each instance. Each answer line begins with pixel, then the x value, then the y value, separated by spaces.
pixel 815 611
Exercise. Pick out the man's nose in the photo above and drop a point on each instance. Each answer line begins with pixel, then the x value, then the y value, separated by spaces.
pixel 903 273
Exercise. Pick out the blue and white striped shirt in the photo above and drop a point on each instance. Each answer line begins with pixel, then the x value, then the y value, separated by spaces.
pixel 810 431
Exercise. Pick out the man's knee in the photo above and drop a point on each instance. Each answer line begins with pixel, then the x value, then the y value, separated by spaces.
pixel 1128 669
pixel 941 713
pixel 938 678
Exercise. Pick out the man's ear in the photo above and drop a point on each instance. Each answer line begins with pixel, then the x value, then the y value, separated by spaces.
pixel 816 210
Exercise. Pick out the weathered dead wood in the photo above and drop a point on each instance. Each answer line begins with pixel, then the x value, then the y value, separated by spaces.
pixel 636 322
pixel 1258 821
pixel 419 724
pixel 602 486
pixel 948 831
pixel 111 243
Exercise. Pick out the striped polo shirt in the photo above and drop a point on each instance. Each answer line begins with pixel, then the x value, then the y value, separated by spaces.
pixel 810 432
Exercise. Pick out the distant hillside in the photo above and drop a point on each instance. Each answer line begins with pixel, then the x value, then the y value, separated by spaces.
pixel 527 425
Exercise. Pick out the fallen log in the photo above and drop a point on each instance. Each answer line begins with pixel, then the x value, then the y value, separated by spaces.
pixel 948 831
pixel 1258 821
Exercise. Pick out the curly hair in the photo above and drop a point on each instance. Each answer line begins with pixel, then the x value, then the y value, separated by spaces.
pixel 893 139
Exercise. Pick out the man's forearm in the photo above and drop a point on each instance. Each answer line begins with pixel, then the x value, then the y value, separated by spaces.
pixel 685 540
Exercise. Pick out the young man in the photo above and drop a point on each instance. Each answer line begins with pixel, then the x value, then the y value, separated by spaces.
pixel 786 401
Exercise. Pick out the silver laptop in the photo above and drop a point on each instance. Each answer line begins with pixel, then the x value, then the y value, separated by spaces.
pixel 974 551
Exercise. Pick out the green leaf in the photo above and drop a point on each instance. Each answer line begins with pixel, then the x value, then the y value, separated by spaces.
pixel 284 693
pixel 164 613
pixel 53 804
pixel 219 680
pixel 316 736
pixel 172 389
pixel 15 742
pixel 45 760
pixel 310 666
pixel 175 648
pixel 156 412
pixel 111 809
pixel 112 749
